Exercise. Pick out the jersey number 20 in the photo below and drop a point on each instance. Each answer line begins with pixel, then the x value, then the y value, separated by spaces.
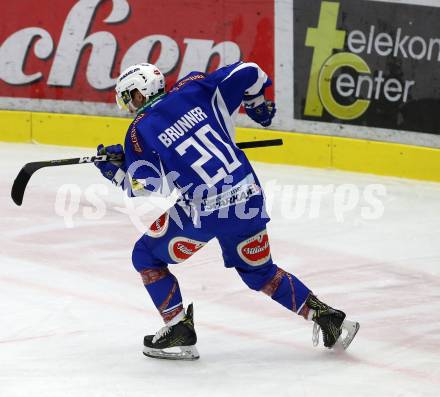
pixel 207 148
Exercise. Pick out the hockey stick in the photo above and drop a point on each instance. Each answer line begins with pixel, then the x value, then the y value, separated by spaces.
pixel 25 174
pixel 23 177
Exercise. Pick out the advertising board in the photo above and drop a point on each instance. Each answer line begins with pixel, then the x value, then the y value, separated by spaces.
pixel 367 63
pixel 75 50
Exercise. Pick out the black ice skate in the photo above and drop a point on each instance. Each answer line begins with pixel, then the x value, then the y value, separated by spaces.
pixel 332 322
pixel 174 342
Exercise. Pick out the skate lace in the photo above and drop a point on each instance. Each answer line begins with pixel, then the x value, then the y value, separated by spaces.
pixel 162 332
pixel 315 334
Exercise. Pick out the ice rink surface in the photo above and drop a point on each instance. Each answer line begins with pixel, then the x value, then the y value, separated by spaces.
pixel 73 311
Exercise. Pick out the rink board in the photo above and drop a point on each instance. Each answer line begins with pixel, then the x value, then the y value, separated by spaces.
pixel 382 158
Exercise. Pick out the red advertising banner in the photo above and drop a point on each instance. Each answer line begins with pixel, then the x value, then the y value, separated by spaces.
pixel 75 50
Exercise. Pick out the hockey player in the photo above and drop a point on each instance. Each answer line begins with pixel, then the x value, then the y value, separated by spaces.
pixel 184 138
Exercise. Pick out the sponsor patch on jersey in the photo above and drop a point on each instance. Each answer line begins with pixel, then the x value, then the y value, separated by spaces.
pixel 255 250
pixel 160 226
pixel 237 195
pixel 185 80
pixel 133 134
pixel 182 248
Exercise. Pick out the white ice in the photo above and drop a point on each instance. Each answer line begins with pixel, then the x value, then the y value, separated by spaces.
pixel 73 311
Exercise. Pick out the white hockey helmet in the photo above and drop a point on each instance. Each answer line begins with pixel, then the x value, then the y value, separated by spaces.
pixel 147 78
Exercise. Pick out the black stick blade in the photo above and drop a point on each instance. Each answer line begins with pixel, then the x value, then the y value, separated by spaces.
pixel 19 186
pixel 22 179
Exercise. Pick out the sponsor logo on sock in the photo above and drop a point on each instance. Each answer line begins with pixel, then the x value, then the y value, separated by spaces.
pixel 255 250
pixel 150 276
pixel 181 248
pixel 273 284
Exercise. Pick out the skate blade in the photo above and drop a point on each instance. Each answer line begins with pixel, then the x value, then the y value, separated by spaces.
pixel 187 353
pixel 349 331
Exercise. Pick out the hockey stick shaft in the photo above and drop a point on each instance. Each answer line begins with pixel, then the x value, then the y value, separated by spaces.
pixel 257 144
pixel 25 174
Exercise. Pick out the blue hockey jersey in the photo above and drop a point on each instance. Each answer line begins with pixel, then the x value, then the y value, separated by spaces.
pixel 188 136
